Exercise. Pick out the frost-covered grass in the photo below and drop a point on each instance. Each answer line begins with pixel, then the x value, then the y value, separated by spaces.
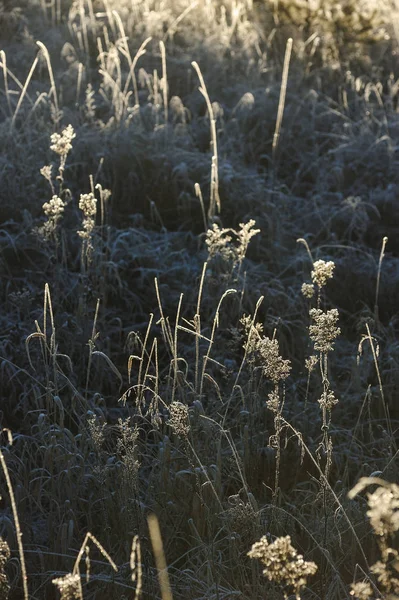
pixel 199 265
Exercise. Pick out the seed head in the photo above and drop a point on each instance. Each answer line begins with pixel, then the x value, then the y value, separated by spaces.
pixel 361 590
pixel 322 272
pixel 70 587
pixel 274 366
pixel 324 331
pixel 384 510
pixel 328 400
pixel 282 564
pixel 308 290
pixel 88 204
pixel 61 144
pixel 46 172
pixel 54 208
pixel 179 419
pixel 273 401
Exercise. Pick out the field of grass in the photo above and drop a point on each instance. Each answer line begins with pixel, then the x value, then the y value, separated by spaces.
pixel 199 299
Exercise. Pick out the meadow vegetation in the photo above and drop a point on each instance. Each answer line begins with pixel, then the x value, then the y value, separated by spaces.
pixel 199 262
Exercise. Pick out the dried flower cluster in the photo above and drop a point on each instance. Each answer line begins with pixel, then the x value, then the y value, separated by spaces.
pixel 88 205
pixel 308 290
pixel 282 564
pixel 327 400
pixel 273 365
pixel 384 518
pixel 218 243
pixel 179 419
pixel 241 517
pixel 127 449
pixel 324 331
pixel 54 209
pixel 361 590
pixel 46 171
pixel 4 556
pixel 384 510
pixel 273 401
pixel 253 333
pixel 69 586
pixel 245 235
pixel 311 362
pixel 322 272
pixel 61 143
pixel 230 245
pixel 96 430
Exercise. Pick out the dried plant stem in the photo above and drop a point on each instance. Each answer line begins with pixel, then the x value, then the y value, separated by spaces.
pixel 135 565
pixel 164 81
pixel 92 347
pixel 235 384
pixel 215 198
pixel 16 518
pixel 377 288
pixel 384 403
pixel 83 24
pixel 304 242
pixel 197 322
pixel 5 77
pixel 281 103
pixel 90 536
pixel 159 555
pixel 23 92
pixel 92 18
pixel 198 193
pixel 214 327
pixel 132 76
pixel 175 357
pixel 53 89
pixel 328 486
pixel 123 38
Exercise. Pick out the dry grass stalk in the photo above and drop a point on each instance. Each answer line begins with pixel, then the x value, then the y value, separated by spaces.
pixel 159 555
